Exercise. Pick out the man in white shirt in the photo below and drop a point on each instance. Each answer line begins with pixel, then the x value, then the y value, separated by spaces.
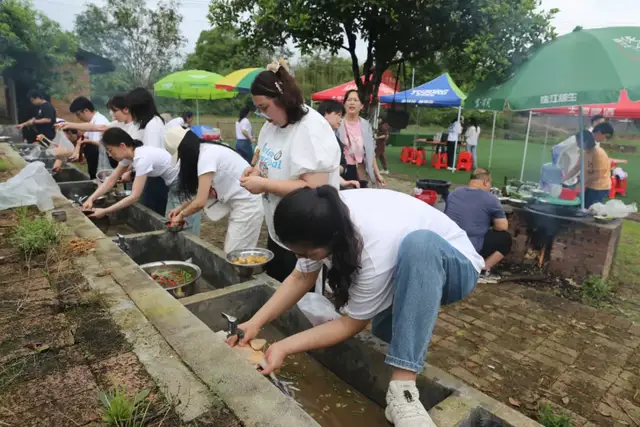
pixel 454 131
pixel 97 158
pixel 183 121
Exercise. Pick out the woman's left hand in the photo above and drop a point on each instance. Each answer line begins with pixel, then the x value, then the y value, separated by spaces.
pixel 352 184
pixel 254 184
pixel 380 180
pixel 126 177
pixel 275 356
pixel 98 213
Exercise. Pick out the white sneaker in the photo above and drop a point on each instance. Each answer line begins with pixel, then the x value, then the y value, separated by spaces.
pixel 385 172
pixel 403 406
pixel 487 277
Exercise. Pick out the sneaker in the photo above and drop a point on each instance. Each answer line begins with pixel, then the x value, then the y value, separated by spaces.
pixel 385 172
pixel 487 277
pixel 403 406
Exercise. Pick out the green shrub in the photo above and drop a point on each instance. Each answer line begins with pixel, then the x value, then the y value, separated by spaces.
pixel 595 289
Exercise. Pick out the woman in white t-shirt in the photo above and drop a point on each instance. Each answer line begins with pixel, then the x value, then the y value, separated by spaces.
pixel 395 274
pixel 151 132
pixel 453 133
pixel 147 163
pixel 297 149
pixel 209 179
pixel 471 137
pixel 244 138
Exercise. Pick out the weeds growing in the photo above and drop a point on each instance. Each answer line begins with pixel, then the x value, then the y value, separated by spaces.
pixel 595 290
pixel 35 235
pixel 548 418
pixel 120 411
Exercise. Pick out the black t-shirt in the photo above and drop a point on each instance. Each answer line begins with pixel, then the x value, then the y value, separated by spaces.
pixel 47 111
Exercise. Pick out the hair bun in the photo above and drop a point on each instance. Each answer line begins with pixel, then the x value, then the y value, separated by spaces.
pixel 325 191
pixel 275 66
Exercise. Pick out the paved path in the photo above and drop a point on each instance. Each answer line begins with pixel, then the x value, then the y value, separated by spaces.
pixel 518 344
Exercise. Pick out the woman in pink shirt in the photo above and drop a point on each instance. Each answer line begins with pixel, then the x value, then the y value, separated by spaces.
pixel 359 145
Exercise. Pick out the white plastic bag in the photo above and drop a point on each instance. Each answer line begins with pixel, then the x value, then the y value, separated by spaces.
pixel 34 185
pixel 614 208
pixel 317 309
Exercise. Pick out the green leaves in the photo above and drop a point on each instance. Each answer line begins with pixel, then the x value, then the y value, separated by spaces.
pixel 33 47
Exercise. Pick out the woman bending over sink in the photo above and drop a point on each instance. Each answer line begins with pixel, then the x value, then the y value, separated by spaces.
pixel 393 273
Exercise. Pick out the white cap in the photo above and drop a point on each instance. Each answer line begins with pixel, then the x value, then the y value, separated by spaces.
pixel 172 140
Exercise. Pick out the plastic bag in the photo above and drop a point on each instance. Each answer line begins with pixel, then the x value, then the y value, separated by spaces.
pixel 34 185
pixel 614 208
pixel 317 309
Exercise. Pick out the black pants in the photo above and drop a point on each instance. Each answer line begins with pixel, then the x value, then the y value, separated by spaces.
pixel 496 241
pixel 91 154
pixel 283 262
pixel 451 152
pixel 155 195
pixel 351 174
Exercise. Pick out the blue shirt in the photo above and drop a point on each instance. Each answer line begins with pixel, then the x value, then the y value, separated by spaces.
pixel 474 211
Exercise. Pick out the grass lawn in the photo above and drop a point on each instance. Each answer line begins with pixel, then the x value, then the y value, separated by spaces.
pixel 507 161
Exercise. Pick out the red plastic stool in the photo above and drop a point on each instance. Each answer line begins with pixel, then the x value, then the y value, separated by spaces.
pixel 618 186
pixel 419 157
pixel 427 196
pixel 406 154
pixel 465 161
pixel 442 161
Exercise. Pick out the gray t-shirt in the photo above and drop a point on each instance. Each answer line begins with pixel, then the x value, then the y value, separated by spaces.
pixel 474 211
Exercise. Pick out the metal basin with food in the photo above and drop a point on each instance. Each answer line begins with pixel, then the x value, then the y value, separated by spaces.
pixel 176 277
pixel 103 174
pixel 248 262
pixel 601 219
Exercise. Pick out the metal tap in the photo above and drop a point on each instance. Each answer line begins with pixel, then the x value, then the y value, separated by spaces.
pixel 232 323
pixel 122 243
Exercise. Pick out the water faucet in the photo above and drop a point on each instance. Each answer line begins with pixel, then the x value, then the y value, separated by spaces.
pixel 122 243
pixel 232 323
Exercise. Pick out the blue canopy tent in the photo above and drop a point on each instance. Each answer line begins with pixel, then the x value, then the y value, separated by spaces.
pixel 439 92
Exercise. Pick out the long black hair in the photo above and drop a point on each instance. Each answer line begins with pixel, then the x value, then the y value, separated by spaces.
pixel 317 217
pixel 142 106
pixel 282 88
pixel 116 136
pixel 188 155
pixel 244 112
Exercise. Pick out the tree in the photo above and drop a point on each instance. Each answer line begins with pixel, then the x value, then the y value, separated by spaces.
pixel 143 43
pixel 392 30
pixel 321 71
pixel 221 51
pixel 33 48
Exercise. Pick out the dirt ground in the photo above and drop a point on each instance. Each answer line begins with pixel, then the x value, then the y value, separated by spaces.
pixel 59 347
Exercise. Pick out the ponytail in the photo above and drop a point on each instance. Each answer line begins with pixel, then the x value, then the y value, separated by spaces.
pixel 319 219
pixel 278 84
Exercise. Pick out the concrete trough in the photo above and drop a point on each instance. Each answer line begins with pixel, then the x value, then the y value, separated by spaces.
pixel 157 246
pixel 358 362
pixel 75 189
pixel 70 173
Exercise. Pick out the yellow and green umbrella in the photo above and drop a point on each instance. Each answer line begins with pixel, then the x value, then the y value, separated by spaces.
pixel 239 80
pixel 191 84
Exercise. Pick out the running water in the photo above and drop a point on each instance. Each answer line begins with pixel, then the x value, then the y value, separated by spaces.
pixel 329 400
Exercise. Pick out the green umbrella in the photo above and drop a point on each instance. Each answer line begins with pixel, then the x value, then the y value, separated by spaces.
pixel 191 84
pixel 580 68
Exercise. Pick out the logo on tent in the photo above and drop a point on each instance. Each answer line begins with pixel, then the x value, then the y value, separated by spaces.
pixel 630 46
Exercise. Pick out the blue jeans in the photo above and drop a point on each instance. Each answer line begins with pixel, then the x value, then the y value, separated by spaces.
pixel 473 149
pixel 591 196
pixel 429 272
pixel 245 149
pixel 173 201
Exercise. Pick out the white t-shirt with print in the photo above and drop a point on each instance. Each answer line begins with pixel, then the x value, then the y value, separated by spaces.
pixel 227 166
pixel 153 162
pixel 153 134
pixel 241 125
pixel 178 122
pixel 384 218
pixel 308 146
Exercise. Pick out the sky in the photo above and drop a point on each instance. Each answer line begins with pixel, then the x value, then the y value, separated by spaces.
pixel 587 13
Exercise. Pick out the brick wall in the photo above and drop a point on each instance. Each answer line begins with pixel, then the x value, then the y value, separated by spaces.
pixel 81 86
pixel 581 247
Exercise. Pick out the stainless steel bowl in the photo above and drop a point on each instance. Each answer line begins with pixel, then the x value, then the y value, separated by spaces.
pixel 181 291
pixel 247 270
pixel 103 174
pixel 5 138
